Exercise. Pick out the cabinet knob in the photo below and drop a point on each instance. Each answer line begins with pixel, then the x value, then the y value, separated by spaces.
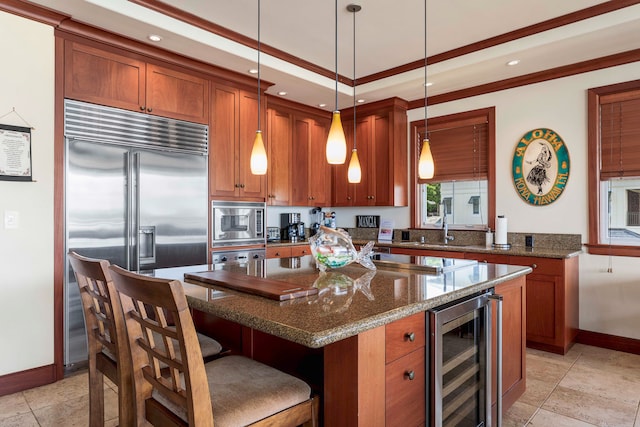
pixel 410 336
pixel 142 108
pixel 410 375
pixel 237 185
pixel 348 197
pixel 277 253
pixel 241 185
pixel 149 109
pixel 534 266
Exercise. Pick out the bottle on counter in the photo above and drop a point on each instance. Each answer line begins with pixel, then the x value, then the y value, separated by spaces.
pixel 488 238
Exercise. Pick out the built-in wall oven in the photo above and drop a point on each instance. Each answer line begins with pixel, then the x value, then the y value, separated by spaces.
pixel 237 223
pixel 460 367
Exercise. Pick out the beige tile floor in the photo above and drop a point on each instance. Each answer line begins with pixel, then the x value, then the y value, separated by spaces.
pixel 588 386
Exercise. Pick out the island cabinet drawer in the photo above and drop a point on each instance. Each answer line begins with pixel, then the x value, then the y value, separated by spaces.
pixel 548 266
pixel 300 250
pixel 279 252
pixel 405 390
pixel 404 336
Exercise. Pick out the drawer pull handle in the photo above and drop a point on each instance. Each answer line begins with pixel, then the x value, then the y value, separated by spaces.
pixel 410 336
pixel 410 375
pixel 534 266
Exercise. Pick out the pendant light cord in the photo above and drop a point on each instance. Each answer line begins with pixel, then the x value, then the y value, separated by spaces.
pixel 336 52
pixel 425 69
pixel 259 65
pixel 354 78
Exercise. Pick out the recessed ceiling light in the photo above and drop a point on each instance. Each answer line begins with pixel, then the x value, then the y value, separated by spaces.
pixel 253 71
pixel 282 93
pixel 322 105
pixel 360 101
pixel 513 62
pixel 154 37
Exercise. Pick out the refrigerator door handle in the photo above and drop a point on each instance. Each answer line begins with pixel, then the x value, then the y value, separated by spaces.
pixel 498 298
pixel 134 212
pixel 128 208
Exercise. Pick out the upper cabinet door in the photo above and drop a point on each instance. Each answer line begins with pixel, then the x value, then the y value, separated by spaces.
pixel 319 169
pixel 279 159
pixel 182 96
pixel 104 78
pixel 122 81
pixel 223 137
pixel 251 186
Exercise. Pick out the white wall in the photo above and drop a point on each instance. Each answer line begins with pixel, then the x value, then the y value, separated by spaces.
pixel 26 253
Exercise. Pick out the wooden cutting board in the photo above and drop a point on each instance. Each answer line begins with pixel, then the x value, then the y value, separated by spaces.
pixel 273 289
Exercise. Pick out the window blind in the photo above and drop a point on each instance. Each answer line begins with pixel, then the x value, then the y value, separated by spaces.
pixel 620 135
pixel 459 148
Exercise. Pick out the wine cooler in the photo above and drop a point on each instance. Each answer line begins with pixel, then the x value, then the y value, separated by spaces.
pixel 460 367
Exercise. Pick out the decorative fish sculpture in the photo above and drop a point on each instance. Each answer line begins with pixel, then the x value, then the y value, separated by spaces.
pixel 334 249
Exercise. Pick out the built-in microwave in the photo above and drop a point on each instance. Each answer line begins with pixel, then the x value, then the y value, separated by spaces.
pixel 237 223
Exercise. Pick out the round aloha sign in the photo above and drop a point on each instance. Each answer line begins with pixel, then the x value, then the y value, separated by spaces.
pixel 540 167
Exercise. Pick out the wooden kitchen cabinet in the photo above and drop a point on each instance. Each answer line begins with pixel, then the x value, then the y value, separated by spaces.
pixel 233 127
pixel 381 141
pixel 552 302
pixel 552 299
pixel 427 252
pixel 127 81
pixel 298 173
pixel 288 251
pixel 280 125
pixel 279 252
pixel 514 313
pixel 405 371
pixel 310 172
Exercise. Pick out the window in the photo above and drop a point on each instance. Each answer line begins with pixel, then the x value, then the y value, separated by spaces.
pixel 463 147
pixel 614 165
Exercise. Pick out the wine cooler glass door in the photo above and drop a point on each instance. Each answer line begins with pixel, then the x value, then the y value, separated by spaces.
pixel 460 351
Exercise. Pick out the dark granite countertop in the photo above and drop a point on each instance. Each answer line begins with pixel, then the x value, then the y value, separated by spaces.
pixel 351 299
pixel 513 250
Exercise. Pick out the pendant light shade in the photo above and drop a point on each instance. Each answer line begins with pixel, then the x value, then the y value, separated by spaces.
pixel 258 156
pixel 426 166
pixel 258 161
pixel 354 174
pixel 336 142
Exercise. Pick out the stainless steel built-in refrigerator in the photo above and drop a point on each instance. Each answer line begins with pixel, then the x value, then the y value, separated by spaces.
pixel 135 194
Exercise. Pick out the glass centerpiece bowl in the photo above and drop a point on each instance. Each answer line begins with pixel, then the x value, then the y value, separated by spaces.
pixel 334 249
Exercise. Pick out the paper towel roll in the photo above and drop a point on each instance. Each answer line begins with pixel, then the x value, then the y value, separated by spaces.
pixel 500 237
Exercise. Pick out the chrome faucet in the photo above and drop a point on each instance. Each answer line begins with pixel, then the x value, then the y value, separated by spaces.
pixel 445 227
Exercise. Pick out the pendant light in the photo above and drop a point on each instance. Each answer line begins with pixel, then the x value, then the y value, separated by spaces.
pixel 336 142
pixel 258 161
pixel 354 174
pixel 426 167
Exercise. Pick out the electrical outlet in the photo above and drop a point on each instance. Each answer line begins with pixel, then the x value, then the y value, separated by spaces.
pixel 11 219
pixel 528 241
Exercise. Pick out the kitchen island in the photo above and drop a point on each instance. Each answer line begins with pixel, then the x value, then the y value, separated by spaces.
pixel 355 330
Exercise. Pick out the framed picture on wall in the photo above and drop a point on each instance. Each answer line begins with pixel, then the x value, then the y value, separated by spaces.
pixel 540 167
pixel 15 153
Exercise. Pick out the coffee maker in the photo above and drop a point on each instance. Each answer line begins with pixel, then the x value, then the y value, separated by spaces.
pixel 291 227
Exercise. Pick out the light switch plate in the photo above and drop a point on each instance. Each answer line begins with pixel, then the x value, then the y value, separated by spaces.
pixel 11 219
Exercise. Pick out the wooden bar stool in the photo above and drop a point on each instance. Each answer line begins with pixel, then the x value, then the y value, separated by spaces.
pixel 107 355
pixel 232 391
